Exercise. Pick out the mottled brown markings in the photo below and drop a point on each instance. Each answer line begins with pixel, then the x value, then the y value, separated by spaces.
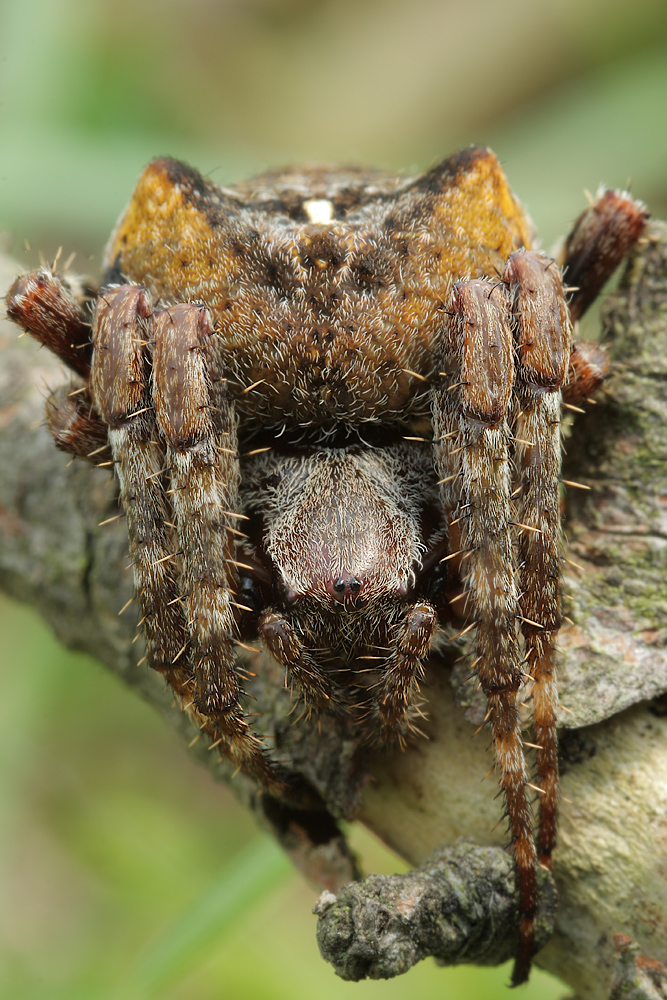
pixel 375 312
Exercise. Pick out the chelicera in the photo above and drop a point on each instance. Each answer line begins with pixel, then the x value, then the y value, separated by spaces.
pixel 332 399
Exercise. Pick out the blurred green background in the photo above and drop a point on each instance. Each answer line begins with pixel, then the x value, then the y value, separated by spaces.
pixel 125 871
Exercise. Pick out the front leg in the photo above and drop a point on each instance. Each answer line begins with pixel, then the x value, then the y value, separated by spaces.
pixel 198 424
pixel 120 388
pixel 472 458
pixel 542 329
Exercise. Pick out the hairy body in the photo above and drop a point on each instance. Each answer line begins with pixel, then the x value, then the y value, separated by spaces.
pixel 332 400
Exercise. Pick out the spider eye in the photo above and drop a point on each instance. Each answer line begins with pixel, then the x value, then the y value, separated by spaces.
pixel 344 589
pixel 346 586
pixel 250 593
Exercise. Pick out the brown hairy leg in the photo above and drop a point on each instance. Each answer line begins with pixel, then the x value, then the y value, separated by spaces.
pixel 542 331
pixel 411 641
pixel 470 409
pixel 198 424
pixel 49 306
pixel 120 387
pixel 301 668
pixel 75 424
pixel 46 306
pixel 600 239
pixel 115 414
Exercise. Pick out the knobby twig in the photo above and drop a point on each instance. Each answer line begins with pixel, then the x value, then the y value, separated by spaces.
pixel 457 907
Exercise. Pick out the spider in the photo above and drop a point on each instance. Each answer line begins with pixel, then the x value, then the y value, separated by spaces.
pixel 332 399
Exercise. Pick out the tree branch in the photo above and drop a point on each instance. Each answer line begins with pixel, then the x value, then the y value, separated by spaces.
pixel 456 907
pixel 612 853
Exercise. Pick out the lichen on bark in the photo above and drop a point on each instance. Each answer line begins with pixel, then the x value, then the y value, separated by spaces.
pixel 456 907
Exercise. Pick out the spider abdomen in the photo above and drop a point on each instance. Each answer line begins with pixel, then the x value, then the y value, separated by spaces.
pixel 330 321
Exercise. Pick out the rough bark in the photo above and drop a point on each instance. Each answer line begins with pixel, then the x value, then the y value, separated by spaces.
pixel 612 856
pixel 636 977
pixel 456 907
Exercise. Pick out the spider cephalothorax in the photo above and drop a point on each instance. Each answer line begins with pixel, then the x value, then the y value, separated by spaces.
pixel 332 400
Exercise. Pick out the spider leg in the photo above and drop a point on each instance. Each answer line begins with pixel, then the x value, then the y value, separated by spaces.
pixel 75 424
pixel 120 388
pixel 287 648
pixel 403 668
pixel 601 238
pixel 44 304
pixel 543 345
pixel 198 423
pixel 589 367
pixel 470 412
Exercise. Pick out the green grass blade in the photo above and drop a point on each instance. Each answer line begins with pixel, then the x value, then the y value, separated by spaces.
pixel 190 939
